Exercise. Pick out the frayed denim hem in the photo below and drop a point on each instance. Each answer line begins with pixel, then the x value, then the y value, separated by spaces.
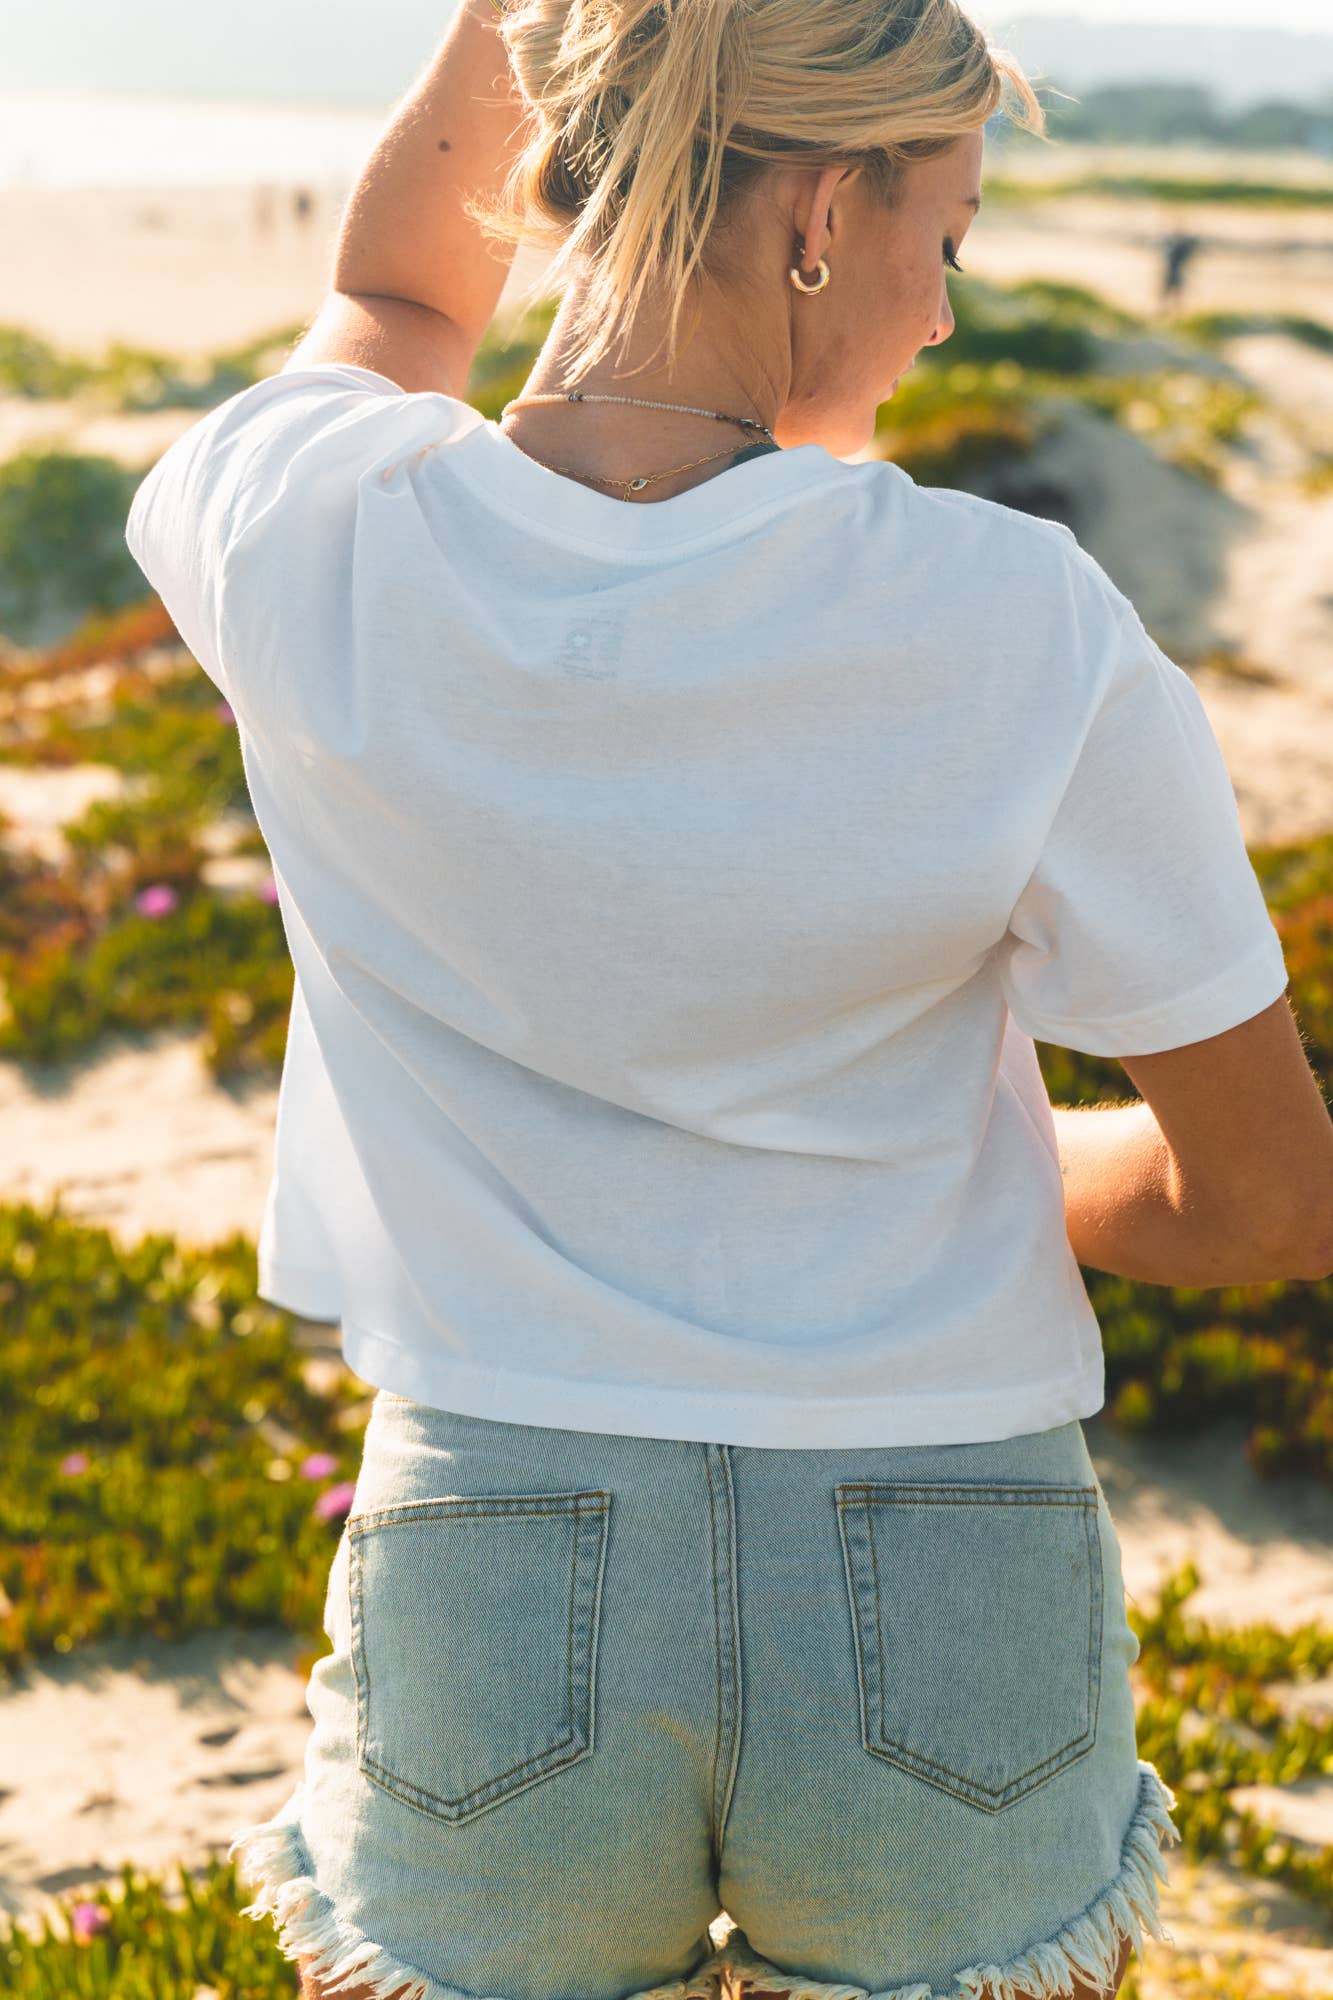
pixel 273 1856
pixel 1085 1949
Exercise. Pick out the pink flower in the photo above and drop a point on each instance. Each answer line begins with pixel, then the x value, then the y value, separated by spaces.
pixel 331 1506
pixel 224 712
pixel 156 900
pixel 87 1919
pixel 269 890
pixel 74 1461
pixel 319 1465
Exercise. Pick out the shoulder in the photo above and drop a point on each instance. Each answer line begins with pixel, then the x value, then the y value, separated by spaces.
pixel 1005 562
pixel 949 514
pixel 1009 596
pixel 323 400
pixel 303 437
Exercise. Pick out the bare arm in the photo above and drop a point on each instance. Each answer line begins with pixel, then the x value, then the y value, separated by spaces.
pixel 1124 1205
pixel 1223 1175
pixel 405 237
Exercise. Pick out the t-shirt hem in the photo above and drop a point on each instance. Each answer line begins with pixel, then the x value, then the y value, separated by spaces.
pixel 795 1423
pixel 302 1289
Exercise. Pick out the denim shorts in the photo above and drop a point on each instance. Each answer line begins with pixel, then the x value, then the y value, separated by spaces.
pixel 610 1717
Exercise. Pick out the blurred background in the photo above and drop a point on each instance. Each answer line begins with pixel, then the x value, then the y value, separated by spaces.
pixel 1143 350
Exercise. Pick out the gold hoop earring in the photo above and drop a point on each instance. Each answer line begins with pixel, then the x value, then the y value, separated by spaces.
pixel 795 275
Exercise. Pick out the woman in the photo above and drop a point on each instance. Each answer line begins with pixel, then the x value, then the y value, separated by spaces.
pixel 681 835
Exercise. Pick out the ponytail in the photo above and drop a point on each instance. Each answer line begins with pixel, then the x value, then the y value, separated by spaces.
pixel 652 117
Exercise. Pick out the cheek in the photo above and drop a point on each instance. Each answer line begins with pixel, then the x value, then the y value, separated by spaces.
pixel 892 316
pixel 912 296
pixel 931 292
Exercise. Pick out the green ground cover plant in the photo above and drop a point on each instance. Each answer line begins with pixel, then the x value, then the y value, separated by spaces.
pixel 952 422
pixel 122 932
pixel 151 1938
pixel 62 536
pixel 167 1467
pixel 503 362
pixel 1211 328
pixel 133 378
pixel 1044 324
pixel 1018 355
pixel 1213 1713
pixel 165 955
pixel 1261 1353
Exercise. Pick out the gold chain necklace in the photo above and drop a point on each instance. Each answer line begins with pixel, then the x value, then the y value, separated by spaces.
pixel 647 479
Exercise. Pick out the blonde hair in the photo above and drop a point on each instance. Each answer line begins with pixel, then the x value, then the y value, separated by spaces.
pixel 650 118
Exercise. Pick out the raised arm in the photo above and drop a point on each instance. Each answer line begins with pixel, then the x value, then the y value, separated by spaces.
pixel 415 282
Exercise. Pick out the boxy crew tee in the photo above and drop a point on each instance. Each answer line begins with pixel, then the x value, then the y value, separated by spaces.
pixel 675 892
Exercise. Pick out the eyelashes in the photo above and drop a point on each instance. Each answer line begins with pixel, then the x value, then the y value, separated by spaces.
pixel 950 259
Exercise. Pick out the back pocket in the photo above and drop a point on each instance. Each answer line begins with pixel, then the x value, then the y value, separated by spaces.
pixel 474 1643
pixel 977 1617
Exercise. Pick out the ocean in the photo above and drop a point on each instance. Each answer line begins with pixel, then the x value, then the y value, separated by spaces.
pixel 64 139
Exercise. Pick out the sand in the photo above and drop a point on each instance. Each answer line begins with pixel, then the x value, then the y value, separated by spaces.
pixel 145 1753
pixel 155 1754
pixel 140 1139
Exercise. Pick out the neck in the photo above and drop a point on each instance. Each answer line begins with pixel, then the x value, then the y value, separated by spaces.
pixel 624 439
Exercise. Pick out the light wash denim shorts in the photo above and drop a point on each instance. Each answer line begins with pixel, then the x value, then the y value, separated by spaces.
pixel 611 1716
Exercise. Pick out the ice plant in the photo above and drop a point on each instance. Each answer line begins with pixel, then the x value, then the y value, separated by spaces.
pixel 87 1919
pixel 331 1506
pixel 319 1465
pixel 224 712
pixel 74 1462
pixel 269 890
pixel 155 901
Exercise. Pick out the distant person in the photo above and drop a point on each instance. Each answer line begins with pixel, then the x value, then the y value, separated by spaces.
pixel 303 205
pixel 1177 250
pixel 264 209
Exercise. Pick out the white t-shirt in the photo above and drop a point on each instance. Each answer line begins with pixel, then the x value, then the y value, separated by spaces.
pixel 674 892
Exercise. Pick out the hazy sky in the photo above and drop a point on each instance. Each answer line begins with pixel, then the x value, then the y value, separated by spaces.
pixel 1311 16
pixel 320 51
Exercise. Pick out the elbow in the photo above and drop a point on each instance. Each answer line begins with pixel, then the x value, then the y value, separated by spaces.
pixel 1293 1249
pixel 1318 1259
pixel 1309 1260
pixel 1316 1267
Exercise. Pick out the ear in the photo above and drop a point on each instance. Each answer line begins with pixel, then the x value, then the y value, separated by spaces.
pixel 814 211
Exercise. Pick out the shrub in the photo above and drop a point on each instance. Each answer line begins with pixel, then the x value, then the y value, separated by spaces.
pixel 62 536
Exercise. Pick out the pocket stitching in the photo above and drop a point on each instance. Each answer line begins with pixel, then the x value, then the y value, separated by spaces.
pixel 934 1773
pixel 406 1511
pixel 465 1506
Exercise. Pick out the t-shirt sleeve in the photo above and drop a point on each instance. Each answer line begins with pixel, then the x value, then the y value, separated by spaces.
pixel 299 436
pixel 1143 925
